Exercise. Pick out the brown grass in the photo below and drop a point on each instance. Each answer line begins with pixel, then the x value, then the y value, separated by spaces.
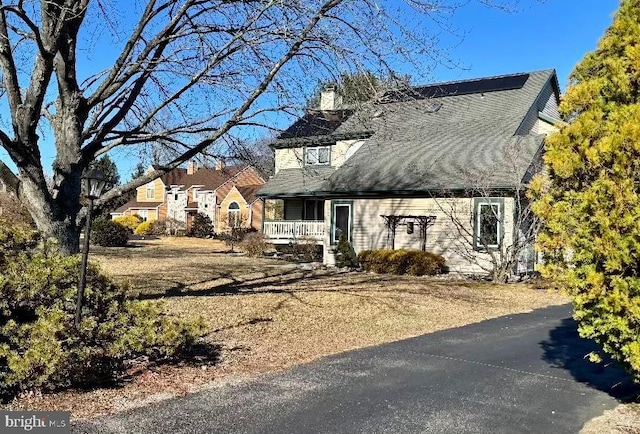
pixel 267 315
pixel 624 419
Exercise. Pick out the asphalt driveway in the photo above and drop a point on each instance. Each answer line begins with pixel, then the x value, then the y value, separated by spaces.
pixel 516 374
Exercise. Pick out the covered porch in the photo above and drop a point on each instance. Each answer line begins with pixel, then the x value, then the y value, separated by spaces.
pixel 293 219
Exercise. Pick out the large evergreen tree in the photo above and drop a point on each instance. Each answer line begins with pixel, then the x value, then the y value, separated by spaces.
pixel 590 199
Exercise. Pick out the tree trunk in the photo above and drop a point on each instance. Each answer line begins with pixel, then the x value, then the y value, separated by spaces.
pixel 55 217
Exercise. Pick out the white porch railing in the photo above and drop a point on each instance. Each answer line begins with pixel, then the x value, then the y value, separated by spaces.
pixel 294 229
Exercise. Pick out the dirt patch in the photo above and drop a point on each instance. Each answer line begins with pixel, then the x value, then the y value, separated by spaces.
pixel 266 315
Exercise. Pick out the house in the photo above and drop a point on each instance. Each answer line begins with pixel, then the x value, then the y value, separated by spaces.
pixel 150 202
pixel 224 193
pixel 440 168
pixel 8 180
pixel 10 206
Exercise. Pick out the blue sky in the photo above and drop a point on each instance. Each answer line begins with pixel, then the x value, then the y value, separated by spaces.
pixel 541 34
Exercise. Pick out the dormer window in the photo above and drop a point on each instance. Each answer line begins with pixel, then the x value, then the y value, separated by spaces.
pixel 317 156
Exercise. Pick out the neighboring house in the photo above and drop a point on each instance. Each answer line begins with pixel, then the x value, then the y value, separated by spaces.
pixel 8 188
pixel 204 190
pixel 151 199
pixel 216 192
pixel 10 206
pixel 8 180
pixel 399 172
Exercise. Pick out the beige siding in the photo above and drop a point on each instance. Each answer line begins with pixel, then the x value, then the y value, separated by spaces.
pixel 152 214
pixel 339 151
pixel 141 194
pixel 256 214
pixel 543 127
pixel 294 158
pixel 289 158
pixel 370 232
pixel 223 218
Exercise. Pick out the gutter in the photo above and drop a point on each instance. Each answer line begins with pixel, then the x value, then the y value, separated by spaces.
pixel 439 192
pixel 324 139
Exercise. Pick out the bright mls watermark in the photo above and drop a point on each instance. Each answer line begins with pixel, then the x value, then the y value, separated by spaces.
pixel 45 422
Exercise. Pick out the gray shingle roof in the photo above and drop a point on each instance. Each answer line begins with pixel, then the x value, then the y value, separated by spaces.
pixel 493 164
pixel 454 141
pixel 132 204
pixel 297 182
pixel 316 123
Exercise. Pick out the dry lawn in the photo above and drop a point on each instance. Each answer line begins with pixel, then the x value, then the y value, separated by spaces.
pixel 265 315
pixel 624 419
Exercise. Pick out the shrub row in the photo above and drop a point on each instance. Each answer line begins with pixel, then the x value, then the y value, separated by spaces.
pixel 412 262
pixel 145 228
pixel 129 221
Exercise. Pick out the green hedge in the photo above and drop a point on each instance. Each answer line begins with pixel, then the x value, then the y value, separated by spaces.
pixel 412 262
pixel 108 233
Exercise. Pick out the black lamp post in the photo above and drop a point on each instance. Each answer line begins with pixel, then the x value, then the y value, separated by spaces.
pixel 93 182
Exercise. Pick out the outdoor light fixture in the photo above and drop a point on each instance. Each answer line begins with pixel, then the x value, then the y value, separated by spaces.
pixel 93 182
pixel 409 228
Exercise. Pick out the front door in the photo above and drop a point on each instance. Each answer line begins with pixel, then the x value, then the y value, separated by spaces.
pixel 342 220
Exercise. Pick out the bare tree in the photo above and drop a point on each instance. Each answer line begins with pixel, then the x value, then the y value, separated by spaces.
pixel 497 236
pixel 188 73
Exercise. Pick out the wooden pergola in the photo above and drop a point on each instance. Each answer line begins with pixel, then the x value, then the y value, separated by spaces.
pixel 422 221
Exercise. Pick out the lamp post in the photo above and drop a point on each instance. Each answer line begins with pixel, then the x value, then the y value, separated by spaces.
pixel 93 182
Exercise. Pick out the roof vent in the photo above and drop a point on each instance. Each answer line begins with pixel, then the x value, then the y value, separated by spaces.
pixel 432 106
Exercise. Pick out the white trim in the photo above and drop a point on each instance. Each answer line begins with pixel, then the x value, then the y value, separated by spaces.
pixel 318 162
pixel 150 187
pixel 332 234
pixel 237 215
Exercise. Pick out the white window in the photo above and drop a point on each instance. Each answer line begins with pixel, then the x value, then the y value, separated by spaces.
pixel 317 156
pixel 151 190
pixel 488 223
pixel 234 215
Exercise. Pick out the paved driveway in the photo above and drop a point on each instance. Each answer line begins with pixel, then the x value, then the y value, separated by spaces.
pixel 516 374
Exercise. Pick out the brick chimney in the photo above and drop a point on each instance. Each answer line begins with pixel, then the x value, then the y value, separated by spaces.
pixel 192 167
pixel 220 165
pixel 330 99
